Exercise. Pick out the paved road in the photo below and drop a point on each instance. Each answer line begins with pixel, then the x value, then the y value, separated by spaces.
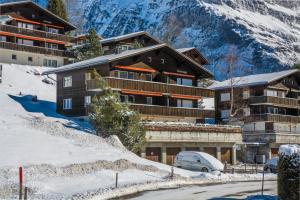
pixel 214 192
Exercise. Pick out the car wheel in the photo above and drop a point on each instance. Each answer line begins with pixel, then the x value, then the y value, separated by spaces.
pixel 204 169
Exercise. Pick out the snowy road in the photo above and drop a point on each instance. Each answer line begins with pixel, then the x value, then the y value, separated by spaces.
pixel 214 192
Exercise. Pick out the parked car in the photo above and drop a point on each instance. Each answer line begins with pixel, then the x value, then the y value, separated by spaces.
pixel 271 165
pixel 197 161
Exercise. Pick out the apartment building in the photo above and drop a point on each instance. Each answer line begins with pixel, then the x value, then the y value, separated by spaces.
pixel 30 34
pixel 268 105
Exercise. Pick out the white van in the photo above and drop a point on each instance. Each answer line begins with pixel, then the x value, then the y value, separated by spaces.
pixel 197 161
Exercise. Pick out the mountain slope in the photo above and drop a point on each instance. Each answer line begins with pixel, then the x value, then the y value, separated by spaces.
pixel 266 34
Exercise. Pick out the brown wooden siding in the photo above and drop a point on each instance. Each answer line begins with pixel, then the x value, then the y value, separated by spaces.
pixel 35 33
pixel 34 49
pixel 273 118
pixel 152 87
pixel 172 111
pixel 276 101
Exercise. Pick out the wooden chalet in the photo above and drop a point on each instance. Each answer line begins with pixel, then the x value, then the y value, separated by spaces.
pixel 30 34
pixel 268 105
pixel 161 84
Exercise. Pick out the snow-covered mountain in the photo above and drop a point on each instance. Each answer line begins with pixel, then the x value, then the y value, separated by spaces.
pixel 265 33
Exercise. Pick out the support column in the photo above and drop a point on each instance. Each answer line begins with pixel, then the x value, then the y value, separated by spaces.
pixel 269 151
pixel 219 153
pixel 143 152
pixel 164 155
pixel 233 157
pixel 201 148
pixel 182 148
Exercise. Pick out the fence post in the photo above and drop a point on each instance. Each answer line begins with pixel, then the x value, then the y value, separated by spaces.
pixel 20 182
pixel 172 172
pixel 25 193
pixel 117 176
pixel 232 170
pixel 245 167
pixel 263 181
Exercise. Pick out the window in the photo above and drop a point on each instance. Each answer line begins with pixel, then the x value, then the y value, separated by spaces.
pixel 123 48
pixel 3 38
pixel 246 111
pixel 87 100
pixel 225 96
pixel 51 45
pixel 25 25
pixel 184 103
pixel 272 110
pixel 184 81
pixel 225 114
pixel 130 75
pixel 67 104
pixel 14 57
pixel 25 42
pixel 148 77
pixel 30 59
pixel 50 63
pixel 149 100
pixel 68 81
pixel 127 98
pixel 246 94
pixel 51 30
pixel 88 76
pixel 123 74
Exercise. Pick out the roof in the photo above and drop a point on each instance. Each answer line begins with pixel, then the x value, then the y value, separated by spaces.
pixel 195 50
pixel 252 80
pixel 71 27
pixel 113 57
pixel 130 35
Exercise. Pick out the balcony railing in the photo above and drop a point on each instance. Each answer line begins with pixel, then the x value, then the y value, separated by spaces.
pixel 34 49
pixel 35 33
pixel 273 118
pixel 172 111
pixel 152 87
pixel 284 102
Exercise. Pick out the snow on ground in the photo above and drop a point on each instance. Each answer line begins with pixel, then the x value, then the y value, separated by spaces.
pixel 61 156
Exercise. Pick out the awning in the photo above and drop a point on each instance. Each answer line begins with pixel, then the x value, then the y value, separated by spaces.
pixel 135 69
pixel 179 74
pixel 180 96
pixel 138 92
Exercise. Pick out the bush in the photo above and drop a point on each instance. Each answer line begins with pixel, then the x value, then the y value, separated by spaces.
pixel 110 116
pixel 288 176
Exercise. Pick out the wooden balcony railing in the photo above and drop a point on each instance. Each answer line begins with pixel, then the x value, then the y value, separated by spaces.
pixel 284 102
pixel 172 111
pixel 34 49
pixel 273 118
pixel 35 33
pixel 152 87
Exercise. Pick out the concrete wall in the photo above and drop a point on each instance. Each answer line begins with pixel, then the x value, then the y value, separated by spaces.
pixel 22 58
pixel 173 136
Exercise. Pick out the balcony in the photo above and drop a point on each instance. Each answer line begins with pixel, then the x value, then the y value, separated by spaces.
pixel 35 33
pixel 273 118
pixel 152 87
pixel 280 138
pixel 153 110
pixel 276 101
pixel 34 49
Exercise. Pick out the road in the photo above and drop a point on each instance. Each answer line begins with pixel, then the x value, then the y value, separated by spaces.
pixel 227 191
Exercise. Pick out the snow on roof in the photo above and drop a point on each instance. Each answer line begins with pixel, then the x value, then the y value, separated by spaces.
pixel 183 50
pixel 251 80
pixel 45 10
pixel 126 36
pixel 289 149
pixel 112 57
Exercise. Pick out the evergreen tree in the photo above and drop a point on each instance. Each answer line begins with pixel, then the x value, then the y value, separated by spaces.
pixel 296 66
pixel 137 44
pixel 91 49
pixel 110 116
pixel 58 8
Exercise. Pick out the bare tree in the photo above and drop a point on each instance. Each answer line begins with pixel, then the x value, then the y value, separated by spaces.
pixel 231 71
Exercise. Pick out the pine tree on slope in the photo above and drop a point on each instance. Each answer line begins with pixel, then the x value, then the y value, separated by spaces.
pixel 58 8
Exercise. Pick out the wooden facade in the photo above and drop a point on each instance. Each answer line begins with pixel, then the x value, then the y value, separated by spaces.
pixel 29 28
pixel 278 101
pixel 151 84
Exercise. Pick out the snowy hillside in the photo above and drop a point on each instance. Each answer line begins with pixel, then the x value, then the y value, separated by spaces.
pixel 61 157
pixel 266 33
